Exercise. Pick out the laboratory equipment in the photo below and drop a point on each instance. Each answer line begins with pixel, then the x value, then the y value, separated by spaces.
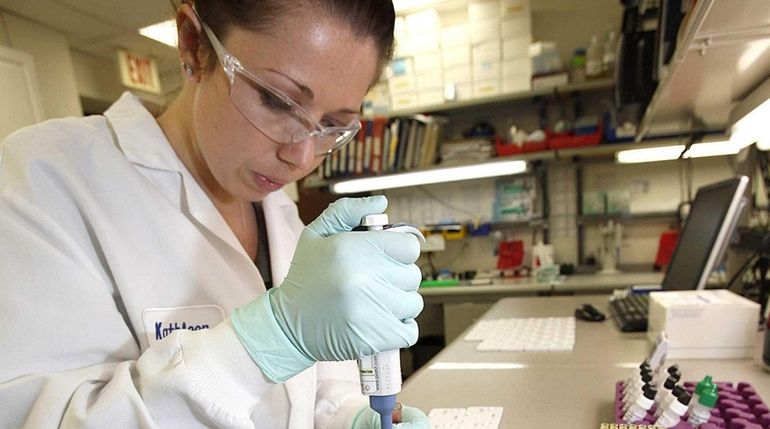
pixel 380 374
pixel 612 235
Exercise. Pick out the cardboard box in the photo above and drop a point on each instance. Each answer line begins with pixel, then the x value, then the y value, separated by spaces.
pixel 483 10
pixel 430 97
pixel 456 36
pixel 425 21
pixel 705 324
pixel 517 68
pixel 427 61
pixel 515 48
pixel 515 27
pixel 401 66
pixel 486 88
pixel 486 70
pixel 399 84
pixel 516 83
pixel 456 57
pixel 404 100
pixel 486 52
pixel 514 8
pixel 458 75
pixel 483 31
pixel 432 79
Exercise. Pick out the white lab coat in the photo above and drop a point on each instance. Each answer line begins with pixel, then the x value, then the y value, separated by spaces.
pixel 107 244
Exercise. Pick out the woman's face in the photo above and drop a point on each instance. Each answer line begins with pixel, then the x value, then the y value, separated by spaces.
pixel 315 61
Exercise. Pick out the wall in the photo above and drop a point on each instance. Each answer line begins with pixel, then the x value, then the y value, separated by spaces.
pixel 53 63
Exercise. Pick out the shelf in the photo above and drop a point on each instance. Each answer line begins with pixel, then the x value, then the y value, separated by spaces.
pixel 723 54
pixel 591 85
pixel 529 223
pixel 626 217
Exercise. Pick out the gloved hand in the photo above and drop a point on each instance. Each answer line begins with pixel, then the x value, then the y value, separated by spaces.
pixel 347 294
pixel 411 418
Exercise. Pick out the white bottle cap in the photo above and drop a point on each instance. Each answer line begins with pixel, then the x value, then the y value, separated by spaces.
pixel 374 220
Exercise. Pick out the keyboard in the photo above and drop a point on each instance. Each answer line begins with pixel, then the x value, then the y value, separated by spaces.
pixel 630 312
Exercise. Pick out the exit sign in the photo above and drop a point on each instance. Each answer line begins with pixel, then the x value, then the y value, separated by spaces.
pixel 138 72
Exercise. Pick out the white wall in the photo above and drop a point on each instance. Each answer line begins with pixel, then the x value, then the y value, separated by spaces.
pixel 53 63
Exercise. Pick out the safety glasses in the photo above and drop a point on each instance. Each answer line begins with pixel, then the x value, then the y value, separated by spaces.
pixel 274 113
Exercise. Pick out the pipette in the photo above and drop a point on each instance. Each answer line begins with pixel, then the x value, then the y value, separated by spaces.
pixel 380 373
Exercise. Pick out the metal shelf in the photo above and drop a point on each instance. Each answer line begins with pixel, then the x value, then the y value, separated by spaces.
pixel 626 217
pixel 721 56
pixel 591 85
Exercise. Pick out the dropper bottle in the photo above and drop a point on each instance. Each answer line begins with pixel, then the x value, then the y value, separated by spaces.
pixel 675 393
pixel 704 385
pixel 672 415
pixel 638 409
pixel 701 411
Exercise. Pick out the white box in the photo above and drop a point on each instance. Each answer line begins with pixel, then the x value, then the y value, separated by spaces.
pixel 705 324
pixel 517 68
pixel 432 79
pixel 425 21
pixel 486 88
pixel 427 61
pixel 486 52
pixel 455 57
pixel 399 84
pixel 486 70
pixel 515 48
pixel 430 97
pixel 458 91
pixel 513 27
pixel 516 83
pixel 483 31
pixel 404 100
pixel 458 75
pixel 514 8
pixel 423 42
pixel 400 67
pixel 483 10
pixel 456 36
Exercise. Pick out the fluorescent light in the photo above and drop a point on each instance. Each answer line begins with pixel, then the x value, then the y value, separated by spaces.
pixel 650 154
pixel 715 148
pixel 426 177
pixel 163 32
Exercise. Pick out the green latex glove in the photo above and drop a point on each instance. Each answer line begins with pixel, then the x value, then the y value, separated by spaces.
pixel 347 294
pixel 411 418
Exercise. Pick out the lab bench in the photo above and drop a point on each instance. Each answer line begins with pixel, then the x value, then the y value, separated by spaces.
pixel 555 389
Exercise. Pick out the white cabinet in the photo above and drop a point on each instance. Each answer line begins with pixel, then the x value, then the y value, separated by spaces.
pixel 20 101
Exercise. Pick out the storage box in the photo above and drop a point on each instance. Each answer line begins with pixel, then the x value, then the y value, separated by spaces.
pixel 486 88
pixel 516 83
pixel 404 100
pixel 517 68
pixel 516 48
pixel 455 57
pixel 456 36
pixel 515 27
pixel 486 70
pixel 425 21
pixel 514 8
pixel 486 52
pixel 430 97
pixel 706 324
pixel 483 10
pixel 458 75
pixel 427 61
pixel 458 91
pixel 430 80
pixel 400 67
pixel 483 31
pixel 399 84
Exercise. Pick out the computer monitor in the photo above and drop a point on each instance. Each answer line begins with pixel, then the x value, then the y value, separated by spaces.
pixel 706 234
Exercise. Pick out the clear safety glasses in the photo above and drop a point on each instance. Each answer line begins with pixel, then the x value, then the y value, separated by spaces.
pixel 273 112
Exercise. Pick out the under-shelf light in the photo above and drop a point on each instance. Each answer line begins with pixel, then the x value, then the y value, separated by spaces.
pixel 712 148
pixel 163 32
pixel 649 154
pixel 427 177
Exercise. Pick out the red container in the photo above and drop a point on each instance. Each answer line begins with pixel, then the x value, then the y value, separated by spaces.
pixel 569 140
pixel 504 149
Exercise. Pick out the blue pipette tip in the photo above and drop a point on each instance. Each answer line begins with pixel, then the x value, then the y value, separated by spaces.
pixel 384 405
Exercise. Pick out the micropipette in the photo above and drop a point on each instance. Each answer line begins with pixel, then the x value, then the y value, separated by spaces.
pixel 380 373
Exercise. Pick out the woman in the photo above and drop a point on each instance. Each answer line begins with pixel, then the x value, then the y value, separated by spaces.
pixel 135 267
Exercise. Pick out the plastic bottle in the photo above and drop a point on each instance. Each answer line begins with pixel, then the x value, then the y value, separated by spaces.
pixel 665 390
pixel 636 385
pixel 675 393
pixel 635 395
pixel 701 411
pixel 578 66
pixel 609 57
pixel 705 385
pixel 638 409
pixel 594 58
pixel 672 415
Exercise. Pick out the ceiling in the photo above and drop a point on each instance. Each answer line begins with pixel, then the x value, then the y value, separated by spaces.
pixel 99 27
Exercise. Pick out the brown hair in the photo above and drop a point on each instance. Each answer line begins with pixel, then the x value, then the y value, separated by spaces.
pixel 365 18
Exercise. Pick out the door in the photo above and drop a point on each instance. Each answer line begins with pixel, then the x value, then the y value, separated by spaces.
pixel 20 102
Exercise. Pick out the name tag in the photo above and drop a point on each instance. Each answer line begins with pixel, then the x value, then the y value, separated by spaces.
pixel 161 322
